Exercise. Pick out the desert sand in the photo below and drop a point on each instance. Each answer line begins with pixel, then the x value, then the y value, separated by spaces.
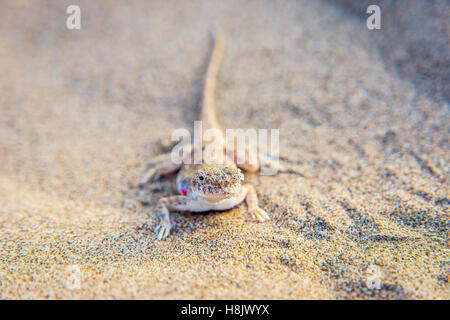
pixel 363 118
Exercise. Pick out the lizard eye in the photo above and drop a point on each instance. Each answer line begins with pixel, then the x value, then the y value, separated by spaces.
pixel 201 178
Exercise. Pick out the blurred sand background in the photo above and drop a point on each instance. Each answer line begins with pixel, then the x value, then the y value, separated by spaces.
pixel 363 115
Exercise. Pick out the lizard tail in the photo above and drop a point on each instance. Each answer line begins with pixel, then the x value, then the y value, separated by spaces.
pixel 207 108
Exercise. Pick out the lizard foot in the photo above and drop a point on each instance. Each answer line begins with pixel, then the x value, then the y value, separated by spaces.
pixel 163 230
pixel 259 214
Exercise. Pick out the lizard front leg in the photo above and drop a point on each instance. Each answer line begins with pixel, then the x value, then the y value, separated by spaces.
pixel 181 203
pixel 164 164
pixel 251 198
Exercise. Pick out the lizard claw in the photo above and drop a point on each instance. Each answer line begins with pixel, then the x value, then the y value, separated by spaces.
pixel 163 230
pixel 259 214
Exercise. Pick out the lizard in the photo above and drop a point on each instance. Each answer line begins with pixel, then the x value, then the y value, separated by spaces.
pixel 212 186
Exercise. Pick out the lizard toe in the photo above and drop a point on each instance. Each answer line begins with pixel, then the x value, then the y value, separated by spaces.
pixel 260 215
pixel 162 231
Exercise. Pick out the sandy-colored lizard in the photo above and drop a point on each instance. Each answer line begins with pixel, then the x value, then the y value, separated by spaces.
pixel 205 187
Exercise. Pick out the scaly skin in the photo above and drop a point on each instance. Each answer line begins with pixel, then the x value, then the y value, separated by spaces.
pixel 205 187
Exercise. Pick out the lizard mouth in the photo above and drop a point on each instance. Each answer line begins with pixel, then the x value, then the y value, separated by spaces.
pixel 216 197
pixel 225 193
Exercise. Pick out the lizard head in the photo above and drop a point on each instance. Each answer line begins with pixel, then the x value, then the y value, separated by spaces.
pixel 217 183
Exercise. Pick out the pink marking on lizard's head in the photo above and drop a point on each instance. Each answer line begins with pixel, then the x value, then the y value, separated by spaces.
pixel 184 188
pixel 217 182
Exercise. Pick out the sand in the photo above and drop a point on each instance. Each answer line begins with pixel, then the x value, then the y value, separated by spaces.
pixel 82 112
